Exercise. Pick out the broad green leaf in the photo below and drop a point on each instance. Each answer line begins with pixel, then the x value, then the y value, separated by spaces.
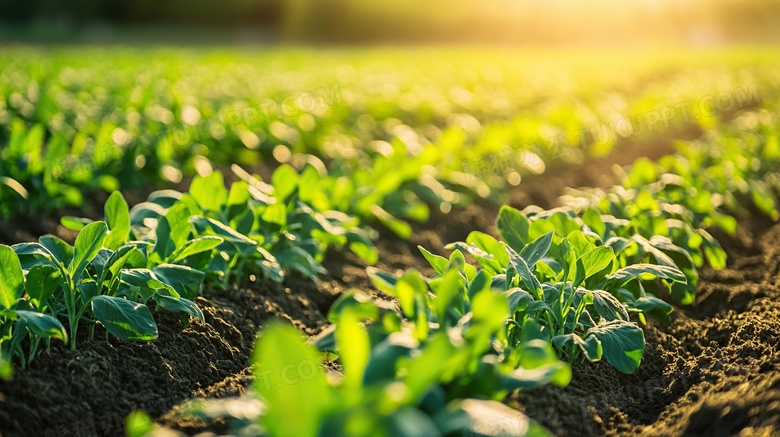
pixel 428 367
pixel 209 191
pixel 438 263
pixel 118 221
pixel 289 377
pixel 558 373
pixel 481 282
pixel 41 282
pixel 61 250
pixel 513 226
pixel 399 227
pixel 537 249
pixel 185 280
pixel 521 268
pixel 146 283
pixel 11 277
pixel 590 347
pixel 163 245
pixel 647 270
pixel 284 181
pixel 298 259
pixel 74 223
pixel 354 349
pixel 139 424
pixel 446 289
pixel 164 198
pixel 623 344
pixel 608 306
pixel 192 247
pixel 489 245
pixel 43 325
pixel 518 298
pixel 124 319
pixel 593 262
pixel 180 304
pixel 408 289
pixel 276 213
pixel 243 244
pixel 384 281
pixel 88 243
pixel 357 303
pixel 655 307
pixel 178 217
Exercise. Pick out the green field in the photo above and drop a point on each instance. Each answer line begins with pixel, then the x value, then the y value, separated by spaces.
pixel 176 176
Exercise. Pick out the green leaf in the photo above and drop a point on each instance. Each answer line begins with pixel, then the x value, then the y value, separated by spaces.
pixel 11 277
pixel 146 283
pixel 536 250
pixel 298 259
pixel 608 306
pixel 518 299
pixel 243 244
pixel 88 243
pixel 61 250
pixel 74 223
pixel 409 288
pixel 647 270
pixel 446 289
pixel 124 319
pixel 489 245
pixel 209 191
pixel 179 304
pixel 438 263
pixel 592 262
pixel 192 247
pixel 655 307
pixel 139 424
pixel 518 264
pixel 557 372
pixel 41 282
pixel 590 347
pixel 185 280
pixel 399 227
pixel 284 181
pixel 118 221
pixel 623 344
pixel 354 349
pixel 513 226
pixel 43 325
pixel 384 281
pixel 289 378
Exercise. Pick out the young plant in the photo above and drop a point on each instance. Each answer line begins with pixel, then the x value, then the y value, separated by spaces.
pixel 91 283
pixel 23 302
pixel 561 276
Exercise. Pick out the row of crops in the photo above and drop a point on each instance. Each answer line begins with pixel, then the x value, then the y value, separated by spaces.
pixel 570 283
pixel 501 313
pixel 390 136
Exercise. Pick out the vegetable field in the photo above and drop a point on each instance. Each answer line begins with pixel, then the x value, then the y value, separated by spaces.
pixel 386 242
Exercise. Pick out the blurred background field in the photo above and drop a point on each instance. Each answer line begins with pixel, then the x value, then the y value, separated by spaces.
pixel 396 104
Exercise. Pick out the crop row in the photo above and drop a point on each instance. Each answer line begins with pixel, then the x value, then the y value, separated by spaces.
pixel 393 140
pixel 160 253
pixel 569 283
